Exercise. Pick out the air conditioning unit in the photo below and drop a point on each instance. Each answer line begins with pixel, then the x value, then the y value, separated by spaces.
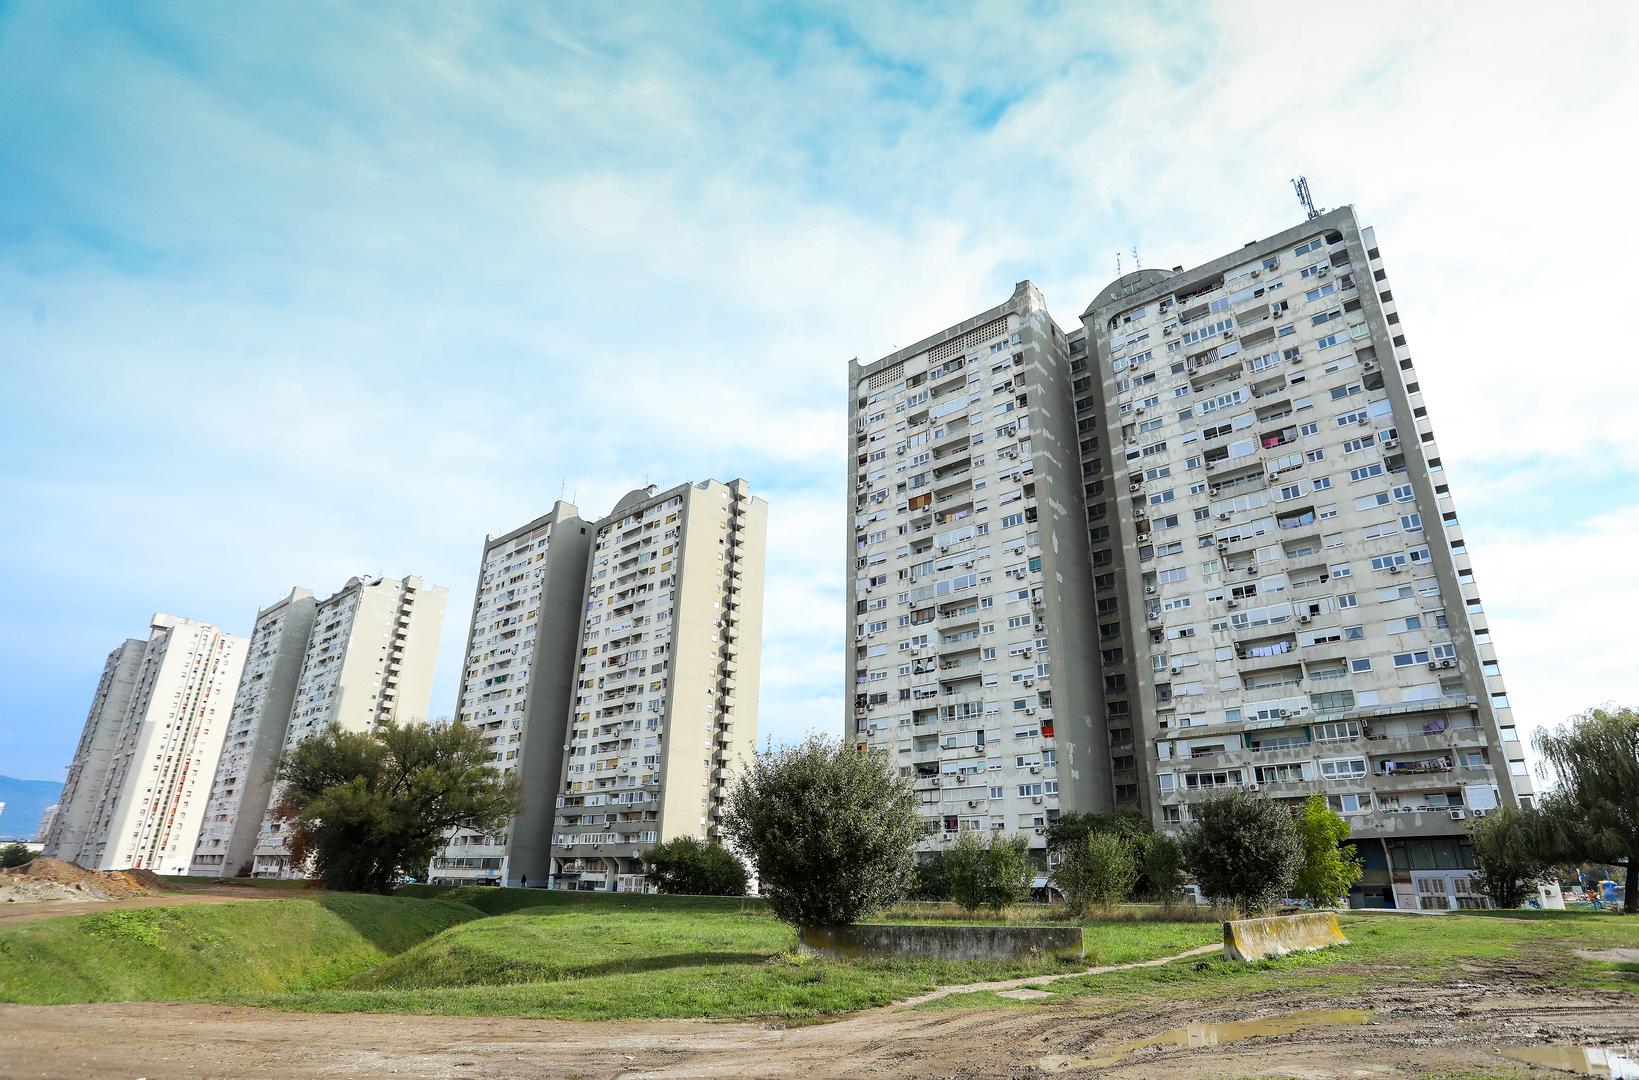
pixel 1297 358
pixel 1324 271
pixel 1224 516
pixel 1166 331
pixel 1252 787
pixel 1458 815
pixel 1363 421
pixel 1232 603
pixel 1139 408
pixel 1257 273
pixel 1448 663
pixel 1305 618
pixel 1432 664
pixel 973 802
pixel 1177 670
pixel 1283 713
pixel 1396 568
pixel 1209 466
pixel 1228 334
pixel 1252 571
pixel 1214 490
pixel 1149 590
pixel 1030 710
pixel 1143 536
pixel 1035 769
pixel 1390 443
pixel 1030 682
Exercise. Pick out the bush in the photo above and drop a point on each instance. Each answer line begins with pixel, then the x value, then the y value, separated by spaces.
pixel 688 866
pixel 1509 858
pixel 1243 850
pixel 830 830
pixel 1102 870
pixel 1329 870
pixel 931 878
pixel 13 855
pixel 990 873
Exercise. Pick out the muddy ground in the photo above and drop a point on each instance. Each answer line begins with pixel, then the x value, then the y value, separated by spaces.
pixel 1452 1027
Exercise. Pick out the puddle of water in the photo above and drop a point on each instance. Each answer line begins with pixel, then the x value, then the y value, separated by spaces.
pixel 1195 1035
pixel 1584 1060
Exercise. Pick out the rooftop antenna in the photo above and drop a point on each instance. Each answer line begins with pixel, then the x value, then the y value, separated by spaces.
pixel 1137 264
pixel 1118 264
pixel 1301 186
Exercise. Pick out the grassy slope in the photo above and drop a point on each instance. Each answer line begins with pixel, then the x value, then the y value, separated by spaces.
pixel 208 951
pixel 1383 950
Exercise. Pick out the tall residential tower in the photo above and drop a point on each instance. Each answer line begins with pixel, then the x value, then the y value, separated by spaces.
pixel 1285 600
pixel 666 681
pixel 969 587
pixel 147 806
pixel 256 734
pixel 517 686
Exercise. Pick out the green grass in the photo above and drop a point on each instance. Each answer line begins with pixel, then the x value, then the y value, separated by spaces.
pixel 209 951
pixel 533 953
pixel 259 883
pixel 1383 950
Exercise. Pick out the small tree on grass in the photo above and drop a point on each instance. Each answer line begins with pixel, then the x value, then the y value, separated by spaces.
pixel 1160 867
pixel 990 873
pixel 1103 869
pixel 931 878
pixel 1243 850
pixel 1594 816
pixel 1510 855
pixel 372 808
pixel 689 866
pixel 1329 869
pixel 831 830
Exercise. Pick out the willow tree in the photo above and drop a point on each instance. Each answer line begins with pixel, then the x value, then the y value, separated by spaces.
pixel 1594 813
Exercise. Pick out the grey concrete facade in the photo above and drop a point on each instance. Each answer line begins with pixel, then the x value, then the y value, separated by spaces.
pixel 88 771
pixel 1284 595
pixel 667 679
pixel 518 687
pixel 968 577
pixel 256 734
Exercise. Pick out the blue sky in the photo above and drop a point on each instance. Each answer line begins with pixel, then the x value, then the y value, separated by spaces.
pixel 294 292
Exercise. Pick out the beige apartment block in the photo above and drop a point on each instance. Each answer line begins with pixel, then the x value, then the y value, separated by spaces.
pixel 969 590
pixel 665 695
pixel 88 771
pixel 518 686
pixel 256 734
pixel 151 798
pixel 368 660
pixel 1284 598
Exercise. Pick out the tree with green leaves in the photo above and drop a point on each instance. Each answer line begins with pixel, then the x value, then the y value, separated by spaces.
pixel 1512 853
pixel 686 865
pixel 1329 868
pixel 1160 867
pixel 992 872
pixel 1593 815
pixel 371 808
pixel 1102 870
pixel 831 830
pixel 14 855
pixel 1243 850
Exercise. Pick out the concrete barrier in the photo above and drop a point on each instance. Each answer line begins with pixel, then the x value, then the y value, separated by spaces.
pixel 1259 939
pixel 943 941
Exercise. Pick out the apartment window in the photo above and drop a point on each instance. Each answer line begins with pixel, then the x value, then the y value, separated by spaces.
pixel 1343 768
pixel 1364 663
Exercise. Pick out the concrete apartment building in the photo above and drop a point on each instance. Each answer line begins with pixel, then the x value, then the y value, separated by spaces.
pixel 1270 589
pixel 1283 595
pixel 150 746
pixel 517 686
pixel 255 736
pixel 969 583
pixel 666 679
pixel 368 659
pixel 88 771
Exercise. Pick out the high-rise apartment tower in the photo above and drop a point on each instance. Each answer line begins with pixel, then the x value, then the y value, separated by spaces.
pixel 147 802
pixel 1284 596
pixel 517 687
pixel 969 583
pixel 665 695
pixel 368 659
pixel 255 737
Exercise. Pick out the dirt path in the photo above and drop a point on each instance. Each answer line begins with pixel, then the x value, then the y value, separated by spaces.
pixel 29 911
pixel 1450 1027
pixel 1037 980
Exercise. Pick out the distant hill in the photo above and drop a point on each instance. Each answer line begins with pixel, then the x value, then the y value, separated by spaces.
pixel 25 801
